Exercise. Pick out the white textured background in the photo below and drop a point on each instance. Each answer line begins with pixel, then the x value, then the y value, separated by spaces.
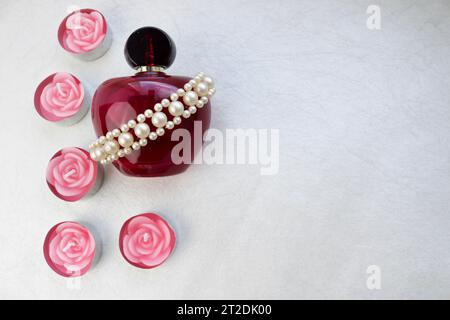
pixel 364 178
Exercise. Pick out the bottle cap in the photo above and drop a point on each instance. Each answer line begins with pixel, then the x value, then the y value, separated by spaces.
pixel 150 48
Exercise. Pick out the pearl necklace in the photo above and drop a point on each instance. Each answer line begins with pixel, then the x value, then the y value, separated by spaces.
pixel 120 142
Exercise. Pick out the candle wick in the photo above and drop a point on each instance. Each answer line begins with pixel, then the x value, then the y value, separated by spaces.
pixel 69 174
pixel 68 246
pixel 58 87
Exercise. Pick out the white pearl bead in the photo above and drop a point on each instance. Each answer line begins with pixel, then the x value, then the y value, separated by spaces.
pixel 111 147
pixel 102 140
pixel 153 136
pixel 204 100
pixel 209 81
pixel 116 133
pixel 193 83
pixel 126 139
pixel 180 92
pixel 160 131
pixel 176 108
pixel 169 125
pixel 190 98
pixel 114 157
pixel 192 110
pixel 165 103
pixel 103 161
pixel 186 114
pixel 148 113
pixel 159 119
pixel 93 155
pixel 143 142
pixel 109 135
pixel 177 120
pixel 211 92
pixel 141 118
pixel 131 124
pixel 202 89
pixel 98 154
pixel 124 128
pixel 158 107
pixel 121 153
pixel 174 97
pixel 187 87
pixel 199 104
pixel 142 130
pixel 136 146
pixel 128 150
pixel 198 79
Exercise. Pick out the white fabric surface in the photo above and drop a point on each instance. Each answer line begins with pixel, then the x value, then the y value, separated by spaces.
pixel 364 123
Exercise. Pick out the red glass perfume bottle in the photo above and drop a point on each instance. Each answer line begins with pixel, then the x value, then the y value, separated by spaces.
pixel 150 51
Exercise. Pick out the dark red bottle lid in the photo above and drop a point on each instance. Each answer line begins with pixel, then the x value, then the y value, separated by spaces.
pixel 151 47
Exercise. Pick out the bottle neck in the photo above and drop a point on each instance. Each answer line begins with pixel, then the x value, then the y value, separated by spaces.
pixel 150 69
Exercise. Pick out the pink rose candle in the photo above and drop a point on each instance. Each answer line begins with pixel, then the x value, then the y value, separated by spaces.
pixel 61 98
pixel 69 249
pixel 146 240
pixel 72 174
pixel 85 34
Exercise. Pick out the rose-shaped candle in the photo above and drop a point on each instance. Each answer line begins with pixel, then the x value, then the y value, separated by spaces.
pixel 61 98
pixel 69 249
pixel 72 174
pixel 85 34
pixel 146 240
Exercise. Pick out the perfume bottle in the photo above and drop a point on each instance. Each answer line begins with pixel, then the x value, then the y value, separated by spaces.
pixel 150 51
